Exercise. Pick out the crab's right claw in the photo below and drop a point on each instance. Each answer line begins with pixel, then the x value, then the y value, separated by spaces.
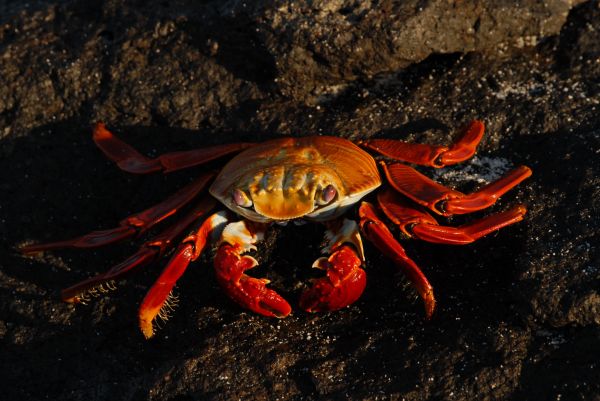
pixel 249 292
pixel 343 285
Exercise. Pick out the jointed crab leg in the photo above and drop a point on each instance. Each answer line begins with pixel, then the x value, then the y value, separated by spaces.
pixel 231 264
pixel 134 224
pixel 188 250
pixel 148 252
pixel 446 201
pixel 431 155
pixel 376 231
pixel 345 280
pixel 130 160
pixel 416 222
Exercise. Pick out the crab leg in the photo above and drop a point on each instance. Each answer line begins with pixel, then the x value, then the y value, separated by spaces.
pixel 134 224
pixel 446 201
pixel 416 222
pixel 376 232
pixel 345 280
pixel 431 155
pixel 231 264
pixel 156 302
pixel 147 253
pixel 130 160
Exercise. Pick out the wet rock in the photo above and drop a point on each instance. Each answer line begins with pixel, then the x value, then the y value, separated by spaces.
pixel 319 45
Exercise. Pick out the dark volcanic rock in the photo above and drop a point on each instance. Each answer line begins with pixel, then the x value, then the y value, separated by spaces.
pixel 518 314
pixel 319 45
pixel 192 65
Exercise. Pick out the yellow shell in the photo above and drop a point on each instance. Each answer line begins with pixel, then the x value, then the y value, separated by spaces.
pixel 284 177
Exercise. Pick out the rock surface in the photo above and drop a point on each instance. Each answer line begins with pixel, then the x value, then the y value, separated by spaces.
pixel 519 311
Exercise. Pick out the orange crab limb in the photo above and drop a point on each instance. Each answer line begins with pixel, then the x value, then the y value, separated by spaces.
pixel 156 300
pixel 230 266
pixel 345 280
pixel 446 201
pixel 148 252
pixel 376 231
pixel 418 223
pixel 468 233
pixel 431 155
pixel 130 160
pixel 134 224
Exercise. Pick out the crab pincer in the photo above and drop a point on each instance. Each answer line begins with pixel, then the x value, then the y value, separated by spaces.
pixel 343 284
pixel 231 263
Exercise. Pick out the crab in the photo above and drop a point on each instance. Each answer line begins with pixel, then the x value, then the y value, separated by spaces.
pixel 315 178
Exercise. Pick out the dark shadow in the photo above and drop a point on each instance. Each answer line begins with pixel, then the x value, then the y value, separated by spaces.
pixel 235 43
pixel 576 40
pixel 561 363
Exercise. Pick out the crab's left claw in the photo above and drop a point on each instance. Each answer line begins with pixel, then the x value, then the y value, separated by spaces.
pixel 231 263
pixel 343 285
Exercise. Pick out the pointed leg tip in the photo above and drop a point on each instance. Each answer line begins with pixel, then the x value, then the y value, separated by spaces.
pixel 429 303
pixel 29 249
pixel 70 299
pixel 146 317
pixel 39 248
pixel 476 124
pixel 527 171
pixel 147 328
pixel 515 214
pixel 100 131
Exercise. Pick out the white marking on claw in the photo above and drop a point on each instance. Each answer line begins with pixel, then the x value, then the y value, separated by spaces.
pixel 238 234
pixel 320 263
pixel 254 264
pixel 347 233
pixel 218 221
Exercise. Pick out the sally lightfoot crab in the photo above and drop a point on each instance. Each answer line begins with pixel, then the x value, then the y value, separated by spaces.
pixel 316 178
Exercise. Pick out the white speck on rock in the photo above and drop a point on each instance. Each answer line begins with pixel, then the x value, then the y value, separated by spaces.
pixel 481 170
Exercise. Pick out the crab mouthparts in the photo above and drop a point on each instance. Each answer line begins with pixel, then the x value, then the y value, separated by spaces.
pixel 284 205
pixel 296 222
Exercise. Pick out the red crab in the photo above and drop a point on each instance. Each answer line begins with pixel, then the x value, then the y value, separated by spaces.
pixel 314 178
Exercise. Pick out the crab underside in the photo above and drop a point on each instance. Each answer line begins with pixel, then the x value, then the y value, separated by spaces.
pixel 292 179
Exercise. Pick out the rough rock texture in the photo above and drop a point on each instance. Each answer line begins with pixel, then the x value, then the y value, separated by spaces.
pixel 519 311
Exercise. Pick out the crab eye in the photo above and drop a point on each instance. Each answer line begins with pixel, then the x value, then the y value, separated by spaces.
pixel 240 198
pixel 327 195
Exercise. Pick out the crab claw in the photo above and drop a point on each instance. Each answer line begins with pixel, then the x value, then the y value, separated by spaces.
pixel 249 292
pixel 344 283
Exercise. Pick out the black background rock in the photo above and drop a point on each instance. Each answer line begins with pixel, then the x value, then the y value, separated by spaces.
pixel 518 311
